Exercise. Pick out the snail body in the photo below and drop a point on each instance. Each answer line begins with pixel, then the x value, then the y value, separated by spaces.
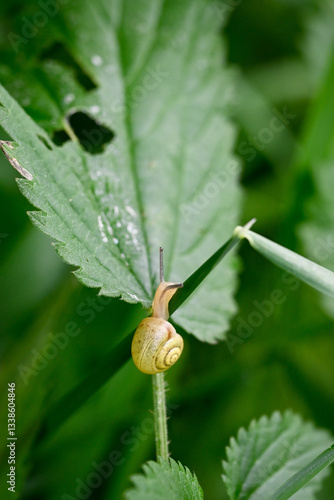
pixel 156 345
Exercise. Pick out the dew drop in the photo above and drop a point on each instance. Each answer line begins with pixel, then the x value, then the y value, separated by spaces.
pixel 68 98
pixel 94 109
pixel 130 211
pixel 101 229
pixel 96 60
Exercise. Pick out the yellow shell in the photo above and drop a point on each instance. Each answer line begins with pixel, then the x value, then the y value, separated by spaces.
pixel 156 346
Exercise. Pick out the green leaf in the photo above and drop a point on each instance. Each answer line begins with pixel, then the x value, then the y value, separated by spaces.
pixel 305 475
pixel 167 178
pixel 313 274
pixel 165 481
pixel 268 453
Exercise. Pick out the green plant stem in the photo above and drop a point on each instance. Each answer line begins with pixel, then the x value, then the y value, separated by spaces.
pixel 160 416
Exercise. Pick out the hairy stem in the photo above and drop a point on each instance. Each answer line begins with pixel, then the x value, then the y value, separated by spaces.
pixel 160 416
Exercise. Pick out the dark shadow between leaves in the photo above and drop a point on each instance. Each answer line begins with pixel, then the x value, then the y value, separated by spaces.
pixel 59 53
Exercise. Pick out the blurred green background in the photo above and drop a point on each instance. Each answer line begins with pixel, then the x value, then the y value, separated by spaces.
pixel 282 55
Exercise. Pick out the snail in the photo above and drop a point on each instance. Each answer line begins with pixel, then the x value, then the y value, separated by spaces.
pixel 156 346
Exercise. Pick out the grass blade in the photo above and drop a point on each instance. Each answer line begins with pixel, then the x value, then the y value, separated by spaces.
pixel 313 274
pixel 305 475
pixel 191 283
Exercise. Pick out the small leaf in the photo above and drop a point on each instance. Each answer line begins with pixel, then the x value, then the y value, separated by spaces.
pixel 296 482
pixel 262 458
pixel 311 273
pixel 166 480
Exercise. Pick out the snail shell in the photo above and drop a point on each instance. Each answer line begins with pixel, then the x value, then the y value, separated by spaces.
pixel 156 346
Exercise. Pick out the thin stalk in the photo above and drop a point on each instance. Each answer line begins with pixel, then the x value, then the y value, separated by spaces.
pixel 160 416
pixel 68 129
pixel 159 396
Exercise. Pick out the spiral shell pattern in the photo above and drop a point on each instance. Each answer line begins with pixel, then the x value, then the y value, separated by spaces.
pixel 156 346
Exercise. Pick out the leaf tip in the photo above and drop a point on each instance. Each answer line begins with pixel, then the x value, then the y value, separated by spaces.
pixel 240 231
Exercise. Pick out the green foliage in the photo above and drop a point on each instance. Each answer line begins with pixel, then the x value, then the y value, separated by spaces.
pixel 80 403
pixel 110 212
pixel 165 480
pixel 265 456
pixel 318 155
